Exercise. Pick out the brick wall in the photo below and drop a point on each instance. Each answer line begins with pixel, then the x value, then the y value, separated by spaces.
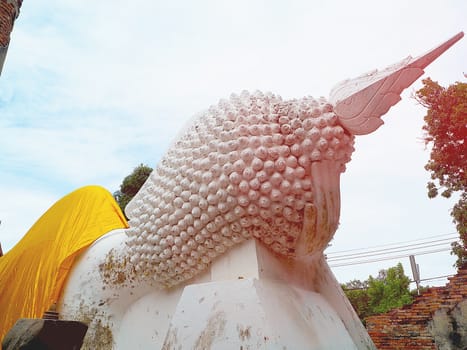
pixel 9 10
pixel 6 22
pixel 409 327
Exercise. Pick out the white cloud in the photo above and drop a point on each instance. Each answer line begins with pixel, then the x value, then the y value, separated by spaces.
pixel 19 213
pixel 89 92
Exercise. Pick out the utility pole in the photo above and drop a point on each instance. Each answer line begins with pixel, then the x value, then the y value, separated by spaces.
pixel 9 11
pixel 415 272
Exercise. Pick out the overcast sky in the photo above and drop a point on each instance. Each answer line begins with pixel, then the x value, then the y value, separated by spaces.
pixel 91 89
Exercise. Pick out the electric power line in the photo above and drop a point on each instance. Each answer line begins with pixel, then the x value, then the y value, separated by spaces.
pixel 389 258
pixel 377 253
pixel 411 247
pixel 425 279
pixel 386 252
pixel 391 244
pixel 338 255
pixel 434 278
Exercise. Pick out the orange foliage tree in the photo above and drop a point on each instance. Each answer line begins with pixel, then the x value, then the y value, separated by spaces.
pixel 446 132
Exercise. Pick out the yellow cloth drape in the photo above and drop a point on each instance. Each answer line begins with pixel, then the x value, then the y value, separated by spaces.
pixel 32 274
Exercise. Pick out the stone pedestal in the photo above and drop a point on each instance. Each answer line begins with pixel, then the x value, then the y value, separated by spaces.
pixel 248 298
pixel 255 314
pixel 257 300
pixel 40 334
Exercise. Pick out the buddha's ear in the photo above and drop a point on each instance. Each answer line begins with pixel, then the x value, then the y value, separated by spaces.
pixel 361 102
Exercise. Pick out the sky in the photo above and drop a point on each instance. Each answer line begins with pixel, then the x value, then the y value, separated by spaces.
pixel 90 90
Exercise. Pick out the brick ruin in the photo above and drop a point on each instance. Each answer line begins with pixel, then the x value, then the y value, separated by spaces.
pixel 437 319
pixel 9 10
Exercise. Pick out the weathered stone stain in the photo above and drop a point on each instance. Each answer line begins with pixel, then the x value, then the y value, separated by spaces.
pixel 171 340
pixel 99 334
pixel 116 270
pixel 244 333
pixel 214 329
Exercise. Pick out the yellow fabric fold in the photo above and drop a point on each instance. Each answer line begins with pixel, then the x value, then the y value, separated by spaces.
pixel 33 273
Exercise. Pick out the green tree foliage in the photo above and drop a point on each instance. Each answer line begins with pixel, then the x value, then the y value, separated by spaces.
pixel 446 132
pixel 389 290
pixel 357 293
pixel 131 185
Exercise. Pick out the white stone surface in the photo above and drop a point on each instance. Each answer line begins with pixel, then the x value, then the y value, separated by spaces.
pixel 238 213
pixel 280 303
pixel 283 293
pixel 361 102
pixel 255 314
pixel 122 313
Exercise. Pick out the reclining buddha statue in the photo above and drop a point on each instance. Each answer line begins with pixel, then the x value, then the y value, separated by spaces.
pixel 225 240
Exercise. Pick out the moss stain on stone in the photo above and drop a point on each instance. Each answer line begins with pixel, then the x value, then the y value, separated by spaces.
pixel 116 270
pixel 99 334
